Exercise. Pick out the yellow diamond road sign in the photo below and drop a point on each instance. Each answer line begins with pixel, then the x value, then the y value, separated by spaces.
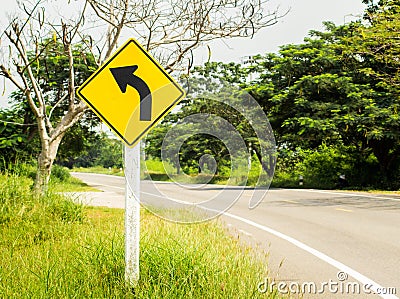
pixel 131 92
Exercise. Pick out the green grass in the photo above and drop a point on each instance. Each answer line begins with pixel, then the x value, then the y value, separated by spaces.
pixel 99 169
pixel 53 248
pixel 71 185
pixel 154 169
pixel 156 166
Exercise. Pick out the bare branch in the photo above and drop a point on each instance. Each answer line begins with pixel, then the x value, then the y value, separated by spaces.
pixel 17 124
pixel 56 105
pixel 71 79
pixel 68 120
pixel 180 26
pixel 6 73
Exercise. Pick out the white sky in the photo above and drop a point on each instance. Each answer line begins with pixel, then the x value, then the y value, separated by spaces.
pixel 304 15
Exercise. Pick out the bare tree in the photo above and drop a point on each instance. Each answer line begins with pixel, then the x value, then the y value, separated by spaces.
pixel 170 30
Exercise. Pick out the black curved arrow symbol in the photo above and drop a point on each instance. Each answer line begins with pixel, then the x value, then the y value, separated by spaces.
pixel 124 76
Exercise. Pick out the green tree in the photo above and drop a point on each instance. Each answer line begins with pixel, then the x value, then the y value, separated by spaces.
pixel 375 43
pixel 315 94
pixel 51 70
pixel 76 145
pixel 215 91
pixel 170 31
pixel 17 135
pixel 325 92
pixel 109 152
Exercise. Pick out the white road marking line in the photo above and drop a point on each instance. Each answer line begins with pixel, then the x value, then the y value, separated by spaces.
pixel 344 194
pixel 344 210
pixel 93 183
pixel 358 276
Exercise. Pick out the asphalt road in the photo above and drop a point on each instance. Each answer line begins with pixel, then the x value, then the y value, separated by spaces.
pixel 329 241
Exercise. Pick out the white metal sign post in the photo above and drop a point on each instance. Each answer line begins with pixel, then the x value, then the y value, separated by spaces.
pixel 132 213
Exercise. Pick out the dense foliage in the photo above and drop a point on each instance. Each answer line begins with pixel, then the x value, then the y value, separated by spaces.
pixel 97 149
pixel 338 89
pixel 332 102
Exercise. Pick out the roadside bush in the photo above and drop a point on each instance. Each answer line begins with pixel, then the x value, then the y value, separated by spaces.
pixel 284 179
pixel 319 168
pixel 22 169
pixel 19 204
pixel 104 151
pixel 60 173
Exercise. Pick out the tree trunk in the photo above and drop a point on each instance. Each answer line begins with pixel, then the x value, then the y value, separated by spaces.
pixel 45 162
pixel 267 166
pixel 382 151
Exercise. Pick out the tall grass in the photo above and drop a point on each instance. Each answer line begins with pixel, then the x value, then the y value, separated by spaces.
pixel 53 248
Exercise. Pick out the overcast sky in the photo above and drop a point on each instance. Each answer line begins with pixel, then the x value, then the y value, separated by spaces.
pixel 304 15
